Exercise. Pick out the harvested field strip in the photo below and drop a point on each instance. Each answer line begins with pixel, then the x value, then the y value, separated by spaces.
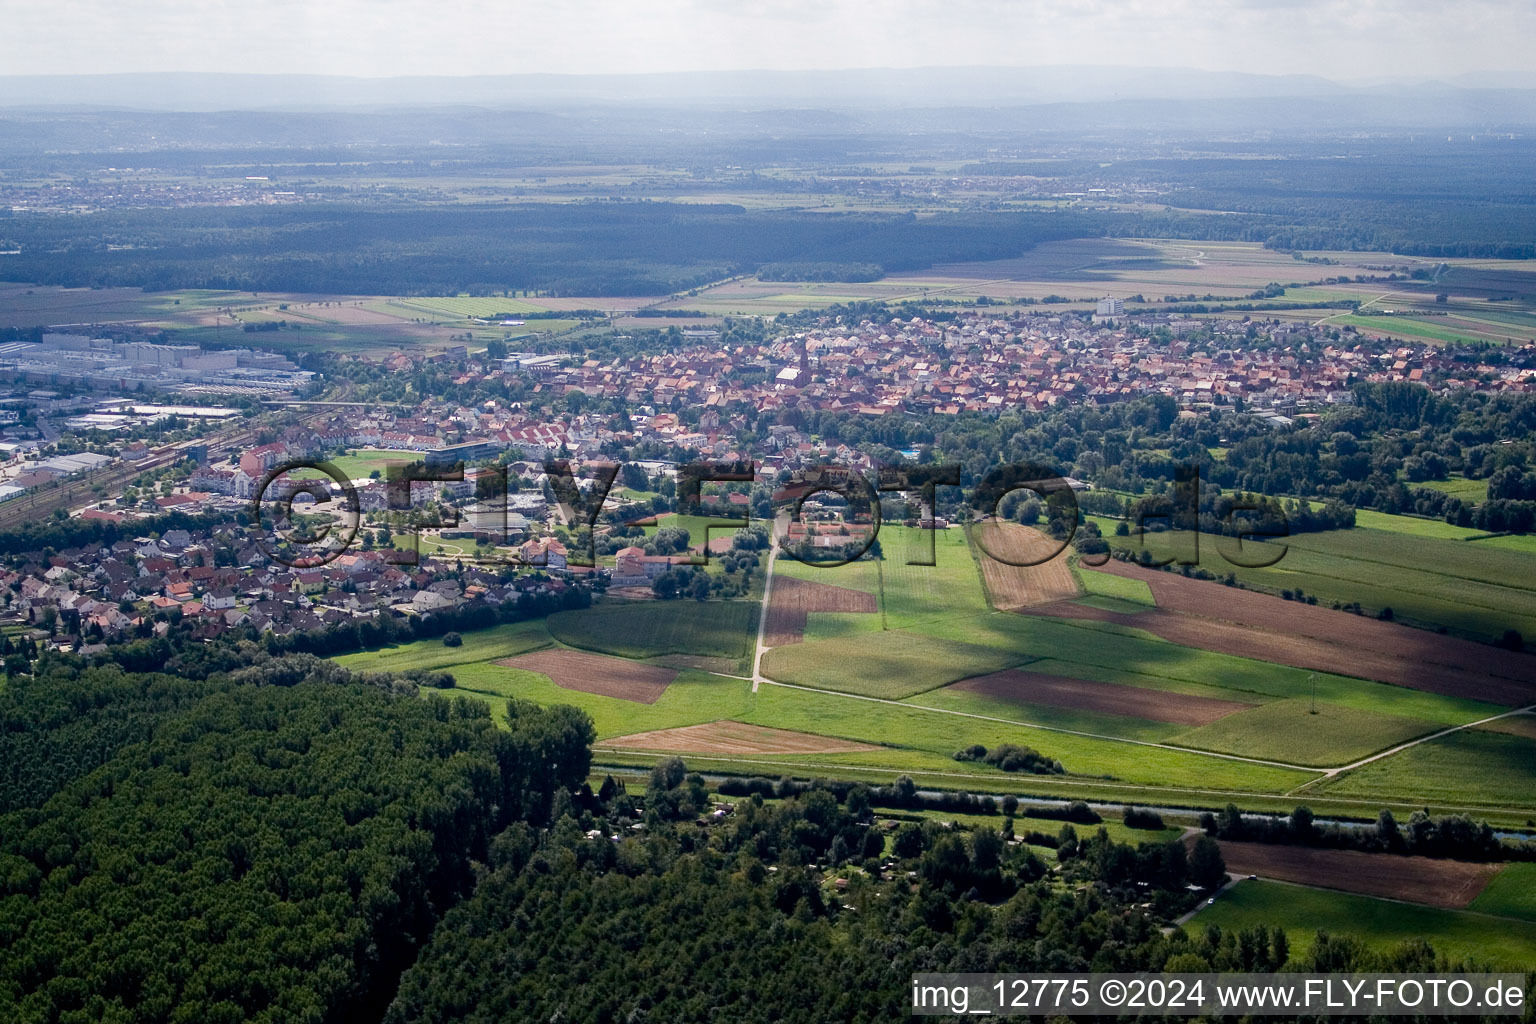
pixel 1010 583
pixel 597 673
pixel 1433 882
pixel 735 738
pixel 1108 698
pixel 794 598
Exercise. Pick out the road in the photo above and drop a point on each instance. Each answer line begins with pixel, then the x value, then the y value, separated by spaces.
pixel 762 617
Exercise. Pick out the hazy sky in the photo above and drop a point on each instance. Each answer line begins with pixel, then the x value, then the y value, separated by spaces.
pixel 1341 39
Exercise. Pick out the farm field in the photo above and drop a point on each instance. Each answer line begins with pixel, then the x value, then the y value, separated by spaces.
pixel 597 673
pixel 483 645
pixel 1418 664
pixel 1474 589
pixel 735 738
pixel 1471 767
pixel 1018 685
pixel 1380 924
pixel 1029 568
pixel 794 599
pixel 1118 588
pixel 1025 712
pixel 1510 893
pixel 1113 653
pixel 899 665
pixel 1414 526
pixel 1449 884
pixel 1460 487
pixel 721 629
pixel 951 588
pixel 1071 271
pixel 1288 730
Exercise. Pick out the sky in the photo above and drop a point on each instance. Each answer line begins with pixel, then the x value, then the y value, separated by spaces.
pixel 1338 39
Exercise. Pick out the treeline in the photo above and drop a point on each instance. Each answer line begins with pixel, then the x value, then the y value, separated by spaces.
pixel 816 271
pixel 558 249
pixel 1451 835
pixel 270 853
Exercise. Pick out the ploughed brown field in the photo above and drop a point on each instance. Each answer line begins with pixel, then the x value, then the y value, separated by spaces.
pixel 1015 684
pixel 1452 884
pixel 597 673
pixel 734 738
pixel 1229 620
pixel 1015 586
pixel 793 599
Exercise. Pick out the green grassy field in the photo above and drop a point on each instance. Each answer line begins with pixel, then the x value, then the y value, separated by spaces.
pixel 721 629
pixel 1466 490
pixel 1471 767
pixel 1414 526
pixel 1287 730
pixel 1524 543
pixel 1103 584
pixel 1512 893
pixel 919 593
pixel 1380 924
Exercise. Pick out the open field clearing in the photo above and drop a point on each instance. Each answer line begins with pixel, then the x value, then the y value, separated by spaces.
pixel 721 629
pixel 1473 587
pixel 1288 730
pixel 1106 698
pixel 596 673
pixel 734 738
pixel 1511 893
pixel 1380 924
pixel 898 665
pixel 793 599
pixel 1450 884
pixel 1467 767
pixel 1029 568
